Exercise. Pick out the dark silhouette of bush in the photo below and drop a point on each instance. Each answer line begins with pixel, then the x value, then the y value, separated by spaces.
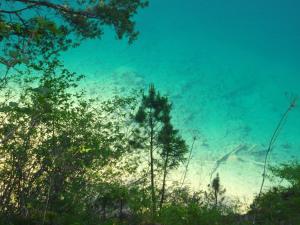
pixel 281 204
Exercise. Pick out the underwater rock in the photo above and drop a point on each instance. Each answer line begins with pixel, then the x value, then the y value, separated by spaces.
pixel 286 146
pixel 128 80
pixel 225 157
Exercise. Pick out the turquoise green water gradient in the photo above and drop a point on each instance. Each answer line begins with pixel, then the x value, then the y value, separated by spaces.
pixel 229 67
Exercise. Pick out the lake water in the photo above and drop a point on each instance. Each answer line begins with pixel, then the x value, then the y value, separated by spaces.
pixel 229 67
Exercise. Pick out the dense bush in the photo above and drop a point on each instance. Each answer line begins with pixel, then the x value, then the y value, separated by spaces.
pixel 281 204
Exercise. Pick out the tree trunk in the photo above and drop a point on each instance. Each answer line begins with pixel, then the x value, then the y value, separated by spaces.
pixel 153 198
pixel 188 162
pixel 121 209
pixel 104 208
pixel 163 189
pixel 216 199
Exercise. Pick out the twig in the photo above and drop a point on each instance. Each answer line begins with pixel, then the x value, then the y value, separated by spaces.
pixel 273 140
pixel 188 162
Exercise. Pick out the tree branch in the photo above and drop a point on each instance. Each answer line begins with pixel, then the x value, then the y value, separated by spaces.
pixel 18 10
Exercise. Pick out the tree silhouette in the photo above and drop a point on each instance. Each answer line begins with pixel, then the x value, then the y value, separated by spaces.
pixel 34 31
pixel 149 116
pixel 166 147
pixel 173 150
pixel 216 194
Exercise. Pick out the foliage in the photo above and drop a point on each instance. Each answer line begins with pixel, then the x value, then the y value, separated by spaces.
pixel 216 192
pixel 289 172
pixel 165 146
pixel 68 159
pixel 191 214
pixel 31 31
pixel 195 208
pixel 52 137
pixel 280 205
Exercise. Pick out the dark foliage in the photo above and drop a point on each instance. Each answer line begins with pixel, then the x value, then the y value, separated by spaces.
pixel 32 31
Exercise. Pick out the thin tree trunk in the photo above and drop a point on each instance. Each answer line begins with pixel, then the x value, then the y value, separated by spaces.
pixel 272 142
pixel 216 199
pixel 163 189
pixel 153 198
pixel 188 162
pixel 270 147
pixel 104 208
pixel 47 202
pixel 121 209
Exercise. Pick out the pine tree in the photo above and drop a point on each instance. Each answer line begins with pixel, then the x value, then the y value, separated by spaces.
pixel 217 191
pixel 166 148
pixel 173 150
pixel 149 117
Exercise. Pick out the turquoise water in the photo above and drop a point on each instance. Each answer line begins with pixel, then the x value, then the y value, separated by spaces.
pixel 229 67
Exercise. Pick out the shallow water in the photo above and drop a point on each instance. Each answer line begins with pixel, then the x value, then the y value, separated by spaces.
pixel 229 67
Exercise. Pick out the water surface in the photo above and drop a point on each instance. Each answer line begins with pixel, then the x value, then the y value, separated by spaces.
pixel 229 67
